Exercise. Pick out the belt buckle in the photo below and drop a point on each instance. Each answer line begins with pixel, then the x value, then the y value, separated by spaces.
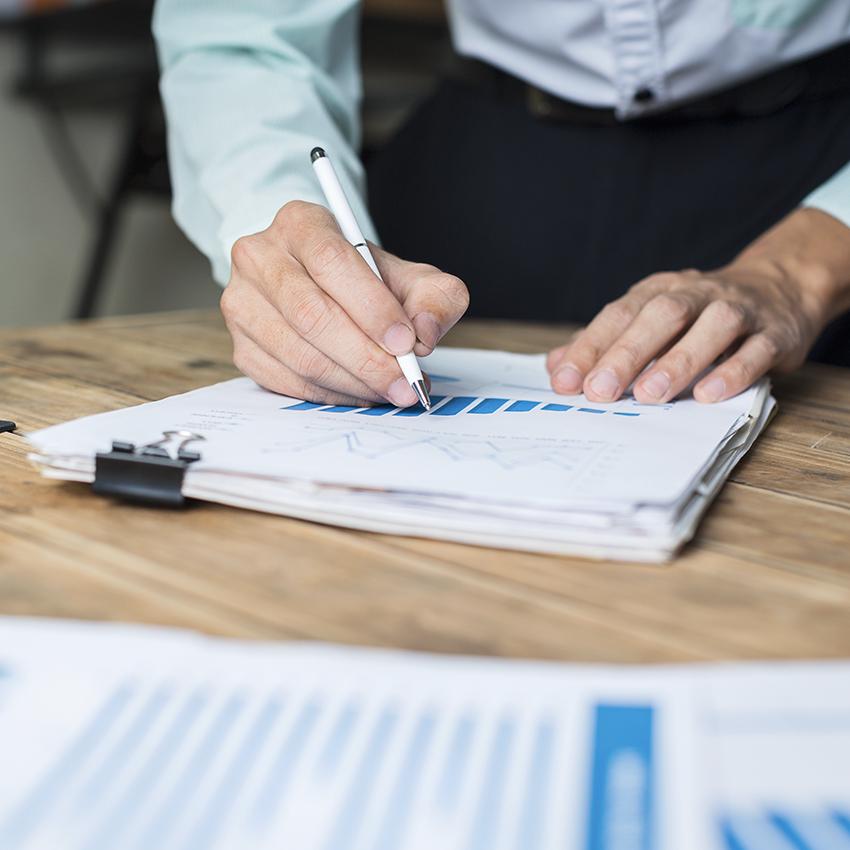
pixel 539 103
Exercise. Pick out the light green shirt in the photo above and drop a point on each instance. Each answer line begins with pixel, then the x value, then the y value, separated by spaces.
pixel 251 86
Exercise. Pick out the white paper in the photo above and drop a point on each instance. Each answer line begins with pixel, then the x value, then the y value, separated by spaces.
pixel 500 460
pixel 113 740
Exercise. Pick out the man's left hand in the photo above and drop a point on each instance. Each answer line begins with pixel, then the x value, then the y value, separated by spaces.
pixel 762 312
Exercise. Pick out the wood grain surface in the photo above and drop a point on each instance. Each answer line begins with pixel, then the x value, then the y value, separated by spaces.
pixel 767 577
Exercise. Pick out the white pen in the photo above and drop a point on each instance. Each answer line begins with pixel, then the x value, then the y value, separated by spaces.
pixel 344 215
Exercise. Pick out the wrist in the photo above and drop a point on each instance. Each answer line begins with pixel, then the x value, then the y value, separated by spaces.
pixel 812 249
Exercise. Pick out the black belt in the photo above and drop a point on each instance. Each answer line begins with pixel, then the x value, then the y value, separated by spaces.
pixel 823 75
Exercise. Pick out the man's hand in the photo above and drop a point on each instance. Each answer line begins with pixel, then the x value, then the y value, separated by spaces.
pixel 310 320
pixel 764 311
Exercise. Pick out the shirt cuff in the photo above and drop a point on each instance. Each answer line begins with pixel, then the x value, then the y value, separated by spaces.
pixel 834 196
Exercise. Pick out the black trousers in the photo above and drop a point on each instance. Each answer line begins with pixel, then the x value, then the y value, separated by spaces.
pixel 551 220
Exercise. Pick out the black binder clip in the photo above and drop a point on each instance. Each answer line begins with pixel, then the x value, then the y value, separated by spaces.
pixel 148 474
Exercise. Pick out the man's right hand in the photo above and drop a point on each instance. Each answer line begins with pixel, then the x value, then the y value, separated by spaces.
pixel 310 320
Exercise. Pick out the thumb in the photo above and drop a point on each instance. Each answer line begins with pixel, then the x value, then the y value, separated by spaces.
pixel 433 300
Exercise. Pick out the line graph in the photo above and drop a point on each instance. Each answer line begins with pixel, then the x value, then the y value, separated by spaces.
pixel 508 453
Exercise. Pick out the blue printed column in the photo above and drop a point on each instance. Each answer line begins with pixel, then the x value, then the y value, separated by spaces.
pixel 621 813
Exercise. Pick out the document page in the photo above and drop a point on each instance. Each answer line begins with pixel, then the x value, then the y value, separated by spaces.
pixel 120 738
pixel 497 433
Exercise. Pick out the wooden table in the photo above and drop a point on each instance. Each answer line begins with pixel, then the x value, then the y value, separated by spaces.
pixel 769 575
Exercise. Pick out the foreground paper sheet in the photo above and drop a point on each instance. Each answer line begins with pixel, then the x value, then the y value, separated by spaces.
pixel 121 737
pixel 500 459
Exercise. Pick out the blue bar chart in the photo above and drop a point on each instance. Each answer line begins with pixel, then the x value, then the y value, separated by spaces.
pixel 461 406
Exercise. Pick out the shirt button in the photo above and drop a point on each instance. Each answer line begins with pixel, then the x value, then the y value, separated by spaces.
pixel 644 95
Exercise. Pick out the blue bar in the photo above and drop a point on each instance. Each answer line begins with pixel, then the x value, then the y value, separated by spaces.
pixel 443 378
pixel 843 820
pixel 522 406
pixel 454 406
pixel 337 741
pixel 350 816
pixel 209 824
pixel 454 769
pixel 489 405
pixel 380 410
pixel 619 413
pixel 131 739
pixel 485 825
pixel 147 778
pixel 529 834
pixel 181 794
pixel 731 841
pixel 785 828
pixel 622 777
pixel 340 408
pixel 590 410
pixel 558 407
pixel 417 409
pixel 36 806
pixel 304 405
pixel 283 768
pixel 400 802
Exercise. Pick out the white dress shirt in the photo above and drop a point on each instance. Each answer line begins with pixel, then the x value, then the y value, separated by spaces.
pixel 250 86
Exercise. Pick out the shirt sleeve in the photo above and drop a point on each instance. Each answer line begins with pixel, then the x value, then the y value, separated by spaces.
pixel 834 196
pixel 250 87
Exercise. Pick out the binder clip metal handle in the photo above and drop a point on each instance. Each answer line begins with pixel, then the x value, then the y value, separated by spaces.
pixel 152 474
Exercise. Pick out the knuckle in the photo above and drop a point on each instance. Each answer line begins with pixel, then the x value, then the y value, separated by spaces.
pixel 730 314
pixel 229 301
pixel 293 212
pixel 773 344
pixel 739 372
pixel 310 316
pixel 681 362
pixel 327 254
pixel 618 312
pixel 243 252
pixel 454 289
pixel 372 369
pixel 671 309
pixel 630 354
pixel 309 364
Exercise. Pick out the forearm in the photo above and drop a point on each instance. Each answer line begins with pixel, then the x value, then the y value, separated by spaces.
pixel 249 88
pixel 811 248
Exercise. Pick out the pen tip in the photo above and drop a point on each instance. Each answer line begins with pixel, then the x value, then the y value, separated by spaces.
pixel 317 153
pixel 422 394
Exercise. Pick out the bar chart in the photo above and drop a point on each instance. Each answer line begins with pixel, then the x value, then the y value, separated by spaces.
pixel 462 406
pixel 273 767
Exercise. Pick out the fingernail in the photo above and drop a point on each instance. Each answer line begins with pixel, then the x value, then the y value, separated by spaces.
pixel 657 385
pixel 399 339
pixel 568 380
pixel 401 393
pixel 427 329
pixel 713 389
pixel 605 384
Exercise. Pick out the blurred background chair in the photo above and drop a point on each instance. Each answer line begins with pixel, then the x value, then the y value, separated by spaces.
pixel 78 57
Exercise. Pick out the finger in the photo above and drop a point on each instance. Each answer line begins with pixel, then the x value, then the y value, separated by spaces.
pixel 753 359
pixel 661 320
pixel 323 324
pixel 584 353
pixel 434 300
pixel 273 375
pixel 252 315
pixel 716 329
pixel 339 270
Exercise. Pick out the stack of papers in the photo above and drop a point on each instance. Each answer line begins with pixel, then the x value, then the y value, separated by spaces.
pixel 499 461
pixel 126 738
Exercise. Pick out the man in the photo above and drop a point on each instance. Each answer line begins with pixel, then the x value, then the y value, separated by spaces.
pixel 683 162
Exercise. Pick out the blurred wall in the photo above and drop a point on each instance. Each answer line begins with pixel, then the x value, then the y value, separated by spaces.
pixel 43 237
